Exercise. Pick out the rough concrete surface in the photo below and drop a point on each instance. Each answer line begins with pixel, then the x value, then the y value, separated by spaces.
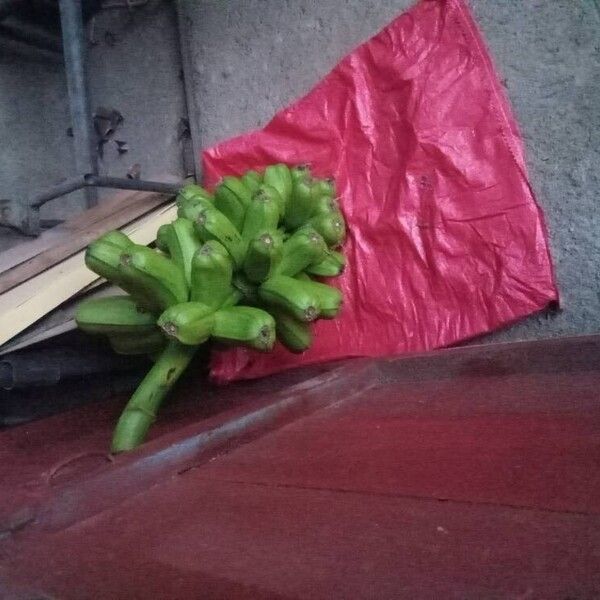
pixel 252 57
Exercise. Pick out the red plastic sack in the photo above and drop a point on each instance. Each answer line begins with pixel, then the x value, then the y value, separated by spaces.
pixel 446 241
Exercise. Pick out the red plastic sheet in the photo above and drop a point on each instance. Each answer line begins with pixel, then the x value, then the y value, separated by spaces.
pixel 446 241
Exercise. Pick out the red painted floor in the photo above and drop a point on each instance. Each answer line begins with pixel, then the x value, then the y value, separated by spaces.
pixel 463 474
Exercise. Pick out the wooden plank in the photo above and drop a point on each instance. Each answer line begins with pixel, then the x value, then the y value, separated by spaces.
pixel 59 321
pixel 36 297
pixel 29 259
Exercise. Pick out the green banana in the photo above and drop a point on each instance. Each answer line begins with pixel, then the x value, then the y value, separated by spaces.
pixel 190 209
pixel 232 198
pixel 324 187
pixel 262 215
pixel 268 191
pixel 153 276
pixel 330 298
pixel 331 266
pixel 190 323
pixel 162 237
pixel 300 207
pixel 291 295
pixel 212 224
pixel 252 180
pixel 303 248
pixel 300 173
pixel 113 314
pixel 103 259
pixel 295 335
pixel 262 257
pixel 117 238
pixel 331 226
pixel 279 177
pixel 193 192
pixel 324 205
pixel 211 275
pixel 139 343
pixel 245 325
pixel 182 244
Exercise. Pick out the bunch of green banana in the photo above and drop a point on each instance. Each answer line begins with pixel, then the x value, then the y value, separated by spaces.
pixel 235 267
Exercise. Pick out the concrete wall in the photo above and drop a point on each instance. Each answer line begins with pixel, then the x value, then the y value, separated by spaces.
pixel 134 66
pixel 251 57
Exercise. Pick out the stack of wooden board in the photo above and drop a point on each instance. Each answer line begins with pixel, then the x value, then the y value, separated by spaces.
pixel 39 276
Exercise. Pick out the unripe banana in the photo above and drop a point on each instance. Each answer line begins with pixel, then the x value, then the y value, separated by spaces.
pixel 193 192
pixel 331 226
pixel 232 198
pixel 325 205
pixel 190 323
pixel 182 244
pixel 295 335
pixel 212 224
pixel 162 237
pixel 324 187
pixel 330 298
pixel 117 238
pixel 279 177
pixel 303 248
pixel 143 343
pixel 291 295
pixel 262 257
pixel 103 258
pixel 252 180
pixel 262 215
pixel 158 279
pixel 332 265
pixel 269 191
pixel 113 314
pixel 190 209
pixel 300 207
pixel 211 275
pixel 245 325
pixel 300 173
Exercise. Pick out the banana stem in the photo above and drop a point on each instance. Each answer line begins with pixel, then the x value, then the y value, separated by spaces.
pixel 141 409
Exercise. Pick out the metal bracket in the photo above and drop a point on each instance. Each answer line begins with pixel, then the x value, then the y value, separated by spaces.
pixel 26 217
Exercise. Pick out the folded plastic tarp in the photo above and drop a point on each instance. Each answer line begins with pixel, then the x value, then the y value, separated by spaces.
pixel 445 239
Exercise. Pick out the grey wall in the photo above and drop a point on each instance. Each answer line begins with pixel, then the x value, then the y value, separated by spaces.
pixel 34 116
pixel 251 57
pixel 136 71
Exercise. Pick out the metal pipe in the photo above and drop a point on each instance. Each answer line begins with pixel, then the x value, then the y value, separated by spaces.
pixel 51 365
pixel 26 217
pixel 60 189
pixel 183 22
pixel 122 183
pixel 92 181
pixel 73 34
